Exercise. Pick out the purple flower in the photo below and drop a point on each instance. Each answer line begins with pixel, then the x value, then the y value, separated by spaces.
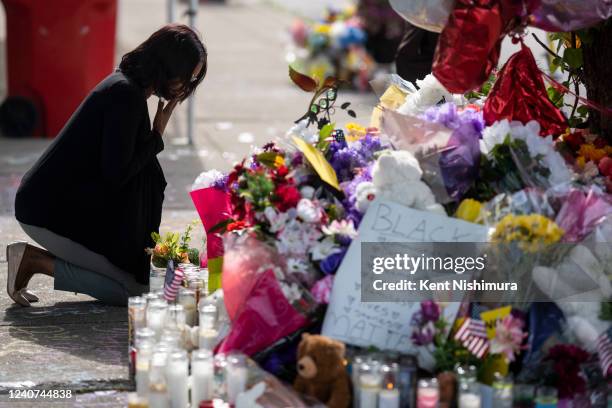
pixel 424 335
pixel 430 311
pixel 220 183
pixel 330 264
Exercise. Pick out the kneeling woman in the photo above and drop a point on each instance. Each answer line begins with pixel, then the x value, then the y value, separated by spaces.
pixel 94 197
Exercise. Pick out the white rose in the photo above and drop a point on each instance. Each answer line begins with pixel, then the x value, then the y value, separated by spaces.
pixel 365 194
pixel 308 211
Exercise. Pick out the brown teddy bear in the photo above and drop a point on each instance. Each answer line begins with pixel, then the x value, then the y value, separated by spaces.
pixel 321 371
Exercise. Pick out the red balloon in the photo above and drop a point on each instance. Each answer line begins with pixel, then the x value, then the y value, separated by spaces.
pixel 519 94
pixel 468 48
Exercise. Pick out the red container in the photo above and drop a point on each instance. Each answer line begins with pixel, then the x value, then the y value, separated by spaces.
pixel 57 51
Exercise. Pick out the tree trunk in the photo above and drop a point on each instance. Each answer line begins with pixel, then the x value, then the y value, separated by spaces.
pixel 597 55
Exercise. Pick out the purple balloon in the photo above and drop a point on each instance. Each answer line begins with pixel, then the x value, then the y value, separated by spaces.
pixel 569 15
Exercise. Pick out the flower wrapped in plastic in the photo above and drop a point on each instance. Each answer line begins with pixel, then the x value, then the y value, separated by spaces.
pixel 263 301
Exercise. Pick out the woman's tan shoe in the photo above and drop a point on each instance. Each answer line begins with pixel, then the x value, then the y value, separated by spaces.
pixel 15 282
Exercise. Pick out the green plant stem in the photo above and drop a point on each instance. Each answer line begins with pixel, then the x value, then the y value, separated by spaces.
pixel 576 85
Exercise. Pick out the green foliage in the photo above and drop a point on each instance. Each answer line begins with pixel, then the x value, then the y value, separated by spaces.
pixel 606 311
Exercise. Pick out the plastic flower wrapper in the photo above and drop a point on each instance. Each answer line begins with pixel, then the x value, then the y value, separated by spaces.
pixel 580 282
pixel 212 201
pixel 515 156
pixel 262 300
pixel 430 15
pixel 582 211
pixel 569 15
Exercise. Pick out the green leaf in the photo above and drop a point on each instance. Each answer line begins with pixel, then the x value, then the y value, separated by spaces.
pixel 305 82
pixel 268 159
pixel 220 226
pixel 326 131
pixel 582 110
pixel 573 57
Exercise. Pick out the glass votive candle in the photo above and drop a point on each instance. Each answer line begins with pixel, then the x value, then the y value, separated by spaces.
pixel 178 378
pixel 198 286
pixel 466 374
pixel 220 370
pixel 156 316
pixel 171 338
pixel 187 298
pixel 208 333
pixel 469 395
pixel 157 276
pixel 407 380
pixel 137 307
pixel 136 401
pixel 356 362
pixel 523 396
pixel 202 377
pixel 143 360
pixel 235 376
pixel 389 395
pixel 428 393
pixel 369 385
pixel 546 397
pixel 158 385
pixel 175 317
pixel 502 391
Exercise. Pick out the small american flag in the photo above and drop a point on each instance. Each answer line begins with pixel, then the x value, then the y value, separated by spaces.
pixel 604 349
pixel 473 335
pixel 174 280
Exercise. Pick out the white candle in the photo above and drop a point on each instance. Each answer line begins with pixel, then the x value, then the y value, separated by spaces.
pixel 142 369
pixel 388 399
pixel 178 377
pixel 236 382
pixel 469 400
pixel 156 316
pixel 369 385
pixel 187 298
pixel 208 338
pixel 156 282
pixel 202 374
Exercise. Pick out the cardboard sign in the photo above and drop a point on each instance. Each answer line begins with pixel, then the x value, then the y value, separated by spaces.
pixel 386 325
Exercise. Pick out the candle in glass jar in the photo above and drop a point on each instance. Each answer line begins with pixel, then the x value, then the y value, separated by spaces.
pixel 369 385
pixel 187 299
pixel 235 377
pixel 136 401
pixel 175 317
pixel 389 398
pixel 143 358
pixel 157 277
pixel 156 316
pixel 178 377
pixel 158 386
pixel 428 394
pixel 202 377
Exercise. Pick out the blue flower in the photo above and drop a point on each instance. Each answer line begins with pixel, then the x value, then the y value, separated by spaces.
pixel 330 264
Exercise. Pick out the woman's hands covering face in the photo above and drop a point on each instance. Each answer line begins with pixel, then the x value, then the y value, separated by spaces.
pixel 162 116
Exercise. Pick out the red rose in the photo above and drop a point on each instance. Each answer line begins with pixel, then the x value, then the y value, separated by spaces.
pixel 236 225
pixel 574 140
pixel 287 196
pixel 282 171
pixel 605 166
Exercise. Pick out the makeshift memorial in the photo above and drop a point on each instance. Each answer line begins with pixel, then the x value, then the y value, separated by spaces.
pixel 333 47
pixel 321 372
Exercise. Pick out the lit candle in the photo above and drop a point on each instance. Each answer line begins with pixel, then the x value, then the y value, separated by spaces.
pixel 178 377
pixel 135 401
pixel 236 377
pixel 202 377
pixel 208 332
pixel 428 394
pixel 187 299
pixel 156 316
pixel 389 397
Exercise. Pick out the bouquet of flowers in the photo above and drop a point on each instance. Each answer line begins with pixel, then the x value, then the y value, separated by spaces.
pixel 334 47
pixel 173 247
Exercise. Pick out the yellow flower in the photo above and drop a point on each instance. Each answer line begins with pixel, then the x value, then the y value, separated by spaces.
pixel 591 153
pixel 279 161
pixel 470 210
pixel 580 162
pixel 322 29
pixel 354 132
pixel 532 232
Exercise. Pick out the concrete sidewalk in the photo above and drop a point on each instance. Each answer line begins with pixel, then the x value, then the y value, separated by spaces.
pixel 70 341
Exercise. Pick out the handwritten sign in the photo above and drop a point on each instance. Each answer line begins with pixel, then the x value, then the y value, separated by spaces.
pixel 386 325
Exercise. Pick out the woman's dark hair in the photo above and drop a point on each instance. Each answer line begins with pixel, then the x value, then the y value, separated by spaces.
pixel 170 54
